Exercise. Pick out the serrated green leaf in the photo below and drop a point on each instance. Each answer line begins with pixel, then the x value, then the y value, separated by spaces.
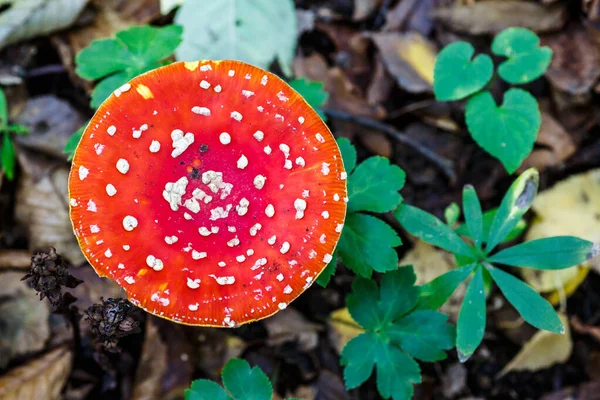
pixel 243 383
pixel 527 61
pixel 134 51
pixel 471 319
pixel 396 371
pixel 328 272
pixel 452 214
pixel 313 93
pixel 73 142
pixel 430 229
pixel 488 219
pixel 423 335
pixel 533 308
pixel 255 31
pixel 348 154
pixel 374 186
pixel 363 303
pixel 203 389
pixel 507 132
pixel 434 294
pixel 515 203
pixel 398 295
pixel 7 156
pixel 551 253
pixel 473 215
pixel 3 110
pixel 457 75
pixel 18 129
pixel 367 244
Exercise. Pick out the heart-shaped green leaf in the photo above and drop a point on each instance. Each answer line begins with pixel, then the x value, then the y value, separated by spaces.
pixel 456 76
pixel 527 61
pixel 507 132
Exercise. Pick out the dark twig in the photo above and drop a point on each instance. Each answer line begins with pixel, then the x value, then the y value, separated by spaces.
pixel 442 163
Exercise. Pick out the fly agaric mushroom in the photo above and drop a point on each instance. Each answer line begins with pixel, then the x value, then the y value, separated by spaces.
pixel 210 191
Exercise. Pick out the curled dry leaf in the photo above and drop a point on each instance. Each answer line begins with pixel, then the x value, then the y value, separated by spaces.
pixel 152 365
pixel 558 145
pixel 490 17
pixel 409 58
pixel 543 350
pixel 571 207
pixel 575 66
pixel 430 262
pixel 290 326
pixel 41 206
pixel 41 378
pixel 23 319
pixel 50 122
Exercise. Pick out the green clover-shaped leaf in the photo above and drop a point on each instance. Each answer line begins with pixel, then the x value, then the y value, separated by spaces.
pixel 507 132
pixel 456 76
pixel 527 61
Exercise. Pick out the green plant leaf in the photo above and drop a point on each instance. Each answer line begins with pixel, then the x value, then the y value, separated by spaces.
pixel 532 307
pixel 18 129
pixel 430 229
pixel 423 335
pixel 255 31
pixel 203 389
pixel 7 156
pixel 507 132
pixel 133 51
pixel 456 76
pixel 396 370
pixel 367 244
pixel 73 142
pixel 488 219
pixel 471 319
pixel 434 294
pixel 243 383
pixel 3 110
pixel 313 93
pixel 527 61
pixel 375 195
pixel 452 214
pixel 516 202
pixel 328 272
pixel 473 215
pixel 348 154
pixel 394 333
pixel 556 252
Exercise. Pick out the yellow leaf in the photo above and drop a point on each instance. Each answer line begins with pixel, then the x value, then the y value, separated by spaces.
pixel 343 328
pixel 41 378
pixel 571 207
pixel 543 350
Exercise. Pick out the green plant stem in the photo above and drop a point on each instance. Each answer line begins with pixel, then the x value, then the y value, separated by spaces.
pixel 445 165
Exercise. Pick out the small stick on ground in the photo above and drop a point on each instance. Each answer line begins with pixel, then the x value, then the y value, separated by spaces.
pixel 445 165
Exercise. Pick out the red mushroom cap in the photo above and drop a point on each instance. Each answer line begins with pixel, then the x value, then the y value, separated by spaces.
pixel 210 191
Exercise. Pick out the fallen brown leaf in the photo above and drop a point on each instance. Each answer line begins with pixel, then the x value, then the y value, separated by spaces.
pixel 490 17
pixel 586 391
pixel 152 365
pixel 409 58
pixel 559 146
pixel 41 205
pixel 14 258
pixel 364 8
pixel 23 319
pixel 543 350
pixel 290 326
pixel 41 378
pixel 575 65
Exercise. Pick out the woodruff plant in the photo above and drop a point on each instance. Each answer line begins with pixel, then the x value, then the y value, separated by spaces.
pixel 476 258
pixel 507 132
